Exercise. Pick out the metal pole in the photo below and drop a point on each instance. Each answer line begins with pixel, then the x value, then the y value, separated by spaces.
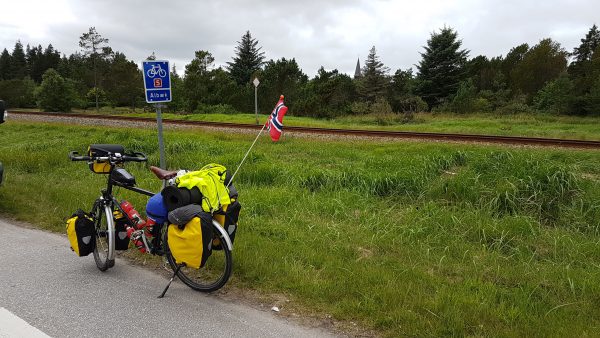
pixel 161 144
pixel 256 103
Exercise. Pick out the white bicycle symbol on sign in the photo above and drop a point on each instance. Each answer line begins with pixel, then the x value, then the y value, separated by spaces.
pixel 156 70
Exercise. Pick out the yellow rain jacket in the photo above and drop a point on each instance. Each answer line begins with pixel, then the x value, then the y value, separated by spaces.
pixel 211 182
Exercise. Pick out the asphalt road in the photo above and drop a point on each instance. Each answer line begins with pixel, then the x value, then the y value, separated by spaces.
pixel 47 286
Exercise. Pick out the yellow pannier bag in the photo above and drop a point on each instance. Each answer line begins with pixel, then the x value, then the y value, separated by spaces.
pixel 192 243
pixel 81 233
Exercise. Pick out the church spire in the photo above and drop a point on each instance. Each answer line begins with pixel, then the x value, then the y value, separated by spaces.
pixel 357 72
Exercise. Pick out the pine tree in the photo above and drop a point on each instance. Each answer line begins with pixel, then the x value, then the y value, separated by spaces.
pixel 247 61
pixel 5 65
pixel 94 47
pixel 34 63
pixel 19 63
pixel 584 71
pixel 374 80
pixel 442 67
pixel 588 46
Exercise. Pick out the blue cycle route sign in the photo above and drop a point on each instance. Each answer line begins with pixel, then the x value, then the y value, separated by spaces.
pixel 157 81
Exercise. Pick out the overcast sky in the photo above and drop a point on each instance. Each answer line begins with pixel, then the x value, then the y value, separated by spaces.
pixel 328 33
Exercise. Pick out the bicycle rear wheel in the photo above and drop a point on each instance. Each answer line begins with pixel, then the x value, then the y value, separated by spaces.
pixel 215 272
pixel 105 236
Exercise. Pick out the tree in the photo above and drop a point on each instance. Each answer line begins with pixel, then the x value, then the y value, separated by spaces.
pixel 374 80
pixel 542 63
pixel 248 59
pixel 34 62
pixel 94 47
pixel 401 93
pixel 328 94
pixel 55 93
pixel 280 77
pixel 197 78
pixel 484 72
pixel 592 99
pixel 510 62
pixel 5 65
pixel 18 93
pixel 18 68
pixel 40 60
pixel 464 100
pixel 588 45
pixel 556 96
pixel 442 67
pixel 585 69
pixel 126 85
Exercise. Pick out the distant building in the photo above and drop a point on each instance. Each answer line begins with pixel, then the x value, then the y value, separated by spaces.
pixel 357 72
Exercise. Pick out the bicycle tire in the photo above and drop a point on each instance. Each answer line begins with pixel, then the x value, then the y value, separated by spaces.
pixel 212 276
pixel 104 226
pixel 162 73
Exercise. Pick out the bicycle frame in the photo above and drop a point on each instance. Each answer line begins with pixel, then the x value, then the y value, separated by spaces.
pixel 111 183
pixel 110 203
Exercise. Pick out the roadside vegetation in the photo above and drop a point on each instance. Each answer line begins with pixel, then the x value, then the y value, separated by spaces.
pixel 406 238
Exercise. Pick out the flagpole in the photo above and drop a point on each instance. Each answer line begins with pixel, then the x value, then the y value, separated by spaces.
pixel 253 143
pixel 248 152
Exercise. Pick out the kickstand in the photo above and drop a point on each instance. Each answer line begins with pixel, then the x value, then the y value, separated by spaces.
pixel 171 280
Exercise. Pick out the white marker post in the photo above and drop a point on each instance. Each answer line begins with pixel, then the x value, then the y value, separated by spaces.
pixel 256 83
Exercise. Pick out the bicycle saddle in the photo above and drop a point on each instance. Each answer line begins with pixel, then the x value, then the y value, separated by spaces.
pixel 163 174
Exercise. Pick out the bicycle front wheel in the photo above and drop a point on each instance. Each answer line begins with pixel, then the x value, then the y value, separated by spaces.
pixel 104 249
pixel 215 272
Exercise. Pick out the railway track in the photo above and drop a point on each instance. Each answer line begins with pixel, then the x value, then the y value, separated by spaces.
pixel 514 140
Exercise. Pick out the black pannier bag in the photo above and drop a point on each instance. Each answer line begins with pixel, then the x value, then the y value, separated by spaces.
pixel 121 238
pixel 228 218
pixel 101 150
pixel 81 233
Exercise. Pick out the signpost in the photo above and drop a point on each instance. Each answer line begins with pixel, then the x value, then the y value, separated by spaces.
pixel 256 83
pixel 157 82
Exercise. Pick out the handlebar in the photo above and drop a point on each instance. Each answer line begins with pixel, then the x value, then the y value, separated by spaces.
pixel 74 156
pixel 116 158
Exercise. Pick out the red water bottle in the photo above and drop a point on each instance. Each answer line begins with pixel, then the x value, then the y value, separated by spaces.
pixel 136 220
pixel 150 227
pixel 134 232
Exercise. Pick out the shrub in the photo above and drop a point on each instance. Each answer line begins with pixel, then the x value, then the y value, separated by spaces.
pixel 359 108
pixel 55 94
pixel 215 109
pixel 556 96
pixel 18 93
pixel 516 106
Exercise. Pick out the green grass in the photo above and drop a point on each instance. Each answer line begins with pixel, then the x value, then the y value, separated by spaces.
pixel 530 125
pixel 408 239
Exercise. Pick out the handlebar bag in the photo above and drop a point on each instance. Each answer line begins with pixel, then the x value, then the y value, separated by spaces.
pixel 192 243
pixel 81 234
pixel 101 150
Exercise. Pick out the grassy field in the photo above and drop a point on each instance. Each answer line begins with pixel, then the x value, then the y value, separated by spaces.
pixel 529 125
pixel 405 238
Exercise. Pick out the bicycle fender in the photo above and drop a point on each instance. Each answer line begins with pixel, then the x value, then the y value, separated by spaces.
pixel 224 233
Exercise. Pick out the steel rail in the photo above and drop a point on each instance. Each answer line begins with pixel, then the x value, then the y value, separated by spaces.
pixel 515 140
